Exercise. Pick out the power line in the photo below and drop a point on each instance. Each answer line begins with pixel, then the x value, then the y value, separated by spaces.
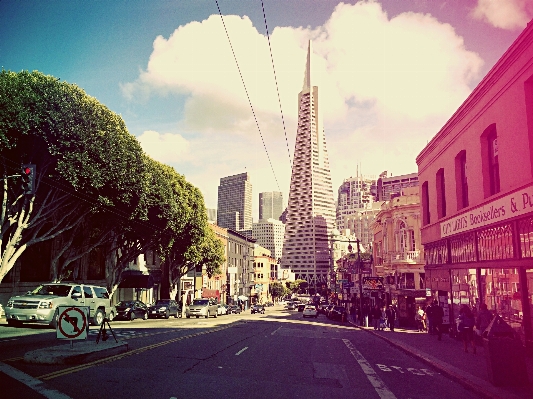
pixel 247 95
pixel 277 88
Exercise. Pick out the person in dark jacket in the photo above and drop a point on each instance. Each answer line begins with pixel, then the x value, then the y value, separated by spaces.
pixel 390 312
pixel 429 319
pixel 466 327
pixel 484 317
pixel 436 315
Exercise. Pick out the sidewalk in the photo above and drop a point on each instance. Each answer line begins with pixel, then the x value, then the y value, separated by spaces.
pixel 449 358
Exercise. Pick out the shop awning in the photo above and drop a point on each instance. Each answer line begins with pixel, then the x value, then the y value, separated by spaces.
pixel 211 294
pixel 137 281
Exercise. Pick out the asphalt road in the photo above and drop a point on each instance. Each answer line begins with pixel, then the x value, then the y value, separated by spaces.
pixel 276 355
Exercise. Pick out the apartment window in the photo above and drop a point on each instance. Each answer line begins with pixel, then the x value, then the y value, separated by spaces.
pixel 494 168
pixel 426 216
pixel 461 180
pixel 441 194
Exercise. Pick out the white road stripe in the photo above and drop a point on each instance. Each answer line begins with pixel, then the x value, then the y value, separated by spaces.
pixel 382 390
pixel 241 351
pixel 33 383
pixel 275 331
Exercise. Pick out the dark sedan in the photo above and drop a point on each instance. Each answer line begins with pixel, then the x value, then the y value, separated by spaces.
pixel 338 313
pixel 164 308
pixel 131 310
pixel 234 309
pixel 258 309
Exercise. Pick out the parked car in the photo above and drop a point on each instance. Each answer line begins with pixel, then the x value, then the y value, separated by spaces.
pixel 40 304
pixel 322 307
pixel 258 309
pixel 234 309
pixel 310 311
pixel 301 307
pixel 202 307
pixel 131 310
pixel 291 306
pixel 338 313
pixel 269 304
pixel 222 310
pixel 164 308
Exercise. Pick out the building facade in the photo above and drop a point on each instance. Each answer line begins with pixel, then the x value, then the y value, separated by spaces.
pixel 264 264
pixel 311 207
pixel 270 205
pixel 398 254
pixel 240 275
pixel 269 234
pixel 234 209
pixel 476 178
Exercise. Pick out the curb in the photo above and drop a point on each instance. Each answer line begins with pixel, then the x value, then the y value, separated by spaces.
pixel 82 352
pixel 467 380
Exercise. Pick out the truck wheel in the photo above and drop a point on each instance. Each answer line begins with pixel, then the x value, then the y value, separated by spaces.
pixel 98 317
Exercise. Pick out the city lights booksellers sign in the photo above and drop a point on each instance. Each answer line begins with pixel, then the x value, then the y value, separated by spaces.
pixel 515 204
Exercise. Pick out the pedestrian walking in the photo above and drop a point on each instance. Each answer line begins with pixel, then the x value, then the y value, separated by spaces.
pixel 466 327
pixel 436 319
pixel 390 312
pixel 429 319
pixel 376 315
pixel 419 318
pixel 353 312
pixel 366 315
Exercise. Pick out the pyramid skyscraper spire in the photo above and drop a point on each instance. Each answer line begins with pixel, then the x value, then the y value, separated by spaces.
pixel 311 208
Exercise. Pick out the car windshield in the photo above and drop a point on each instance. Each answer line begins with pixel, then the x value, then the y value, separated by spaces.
pixel 125 303
pixel 52 289
pixel 200 302
pixel 162 303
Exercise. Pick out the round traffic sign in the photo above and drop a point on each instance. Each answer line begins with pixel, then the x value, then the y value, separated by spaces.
pixel 71 318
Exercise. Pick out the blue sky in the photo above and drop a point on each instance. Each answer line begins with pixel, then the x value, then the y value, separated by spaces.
pixel 390 73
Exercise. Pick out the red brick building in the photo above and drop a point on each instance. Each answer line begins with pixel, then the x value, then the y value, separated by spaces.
pixel 476 187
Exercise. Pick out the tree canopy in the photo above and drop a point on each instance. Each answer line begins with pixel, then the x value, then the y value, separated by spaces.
pixel 95 186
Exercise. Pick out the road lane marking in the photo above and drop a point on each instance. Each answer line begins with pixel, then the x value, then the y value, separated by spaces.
pixel 32 383
pixel 241 351
pixel 121 355
pixel 275 331
pixel 382 390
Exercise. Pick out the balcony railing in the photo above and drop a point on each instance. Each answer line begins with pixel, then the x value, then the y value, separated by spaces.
pixel 406 257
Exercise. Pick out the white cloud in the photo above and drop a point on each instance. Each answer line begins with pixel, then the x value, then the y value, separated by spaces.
pixel 504 14
pixel 386 86
pixel 165 148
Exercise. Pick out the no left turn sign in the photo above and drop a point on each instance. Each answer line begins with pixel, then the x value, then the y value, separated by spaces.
pixel 72 322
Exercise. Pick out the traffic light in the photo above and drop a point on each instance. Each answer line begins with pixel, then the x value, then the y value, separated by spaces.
pixel 28 178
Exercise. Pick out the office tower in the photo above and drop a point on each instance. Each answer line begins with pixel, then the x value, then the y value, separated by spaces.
pixel 269 234
pixel 390 187
pixel 354 195
pixel 311 208
pixel 211 215
pixel 270 205
pixel 234 209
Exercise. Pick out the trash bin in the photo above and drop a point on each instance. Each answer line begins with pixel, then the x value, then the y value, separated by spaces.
pixel 505 355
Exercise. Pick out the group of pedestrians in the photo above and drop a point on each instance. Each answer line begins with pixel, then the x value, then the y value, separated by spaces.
pixel 430 319
pixel 383 317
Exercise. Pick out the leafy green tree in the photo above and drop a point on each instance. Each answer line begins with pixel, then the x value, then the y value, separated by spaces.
pixel 87 162
pixel 278 290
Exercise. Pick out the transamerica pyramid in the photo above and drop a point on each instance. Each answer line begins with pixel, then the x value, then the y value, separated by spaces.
pixel 311 208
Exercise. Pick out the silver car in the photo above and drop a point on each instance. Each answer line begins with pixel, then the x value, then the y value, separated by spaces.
pixel 202 307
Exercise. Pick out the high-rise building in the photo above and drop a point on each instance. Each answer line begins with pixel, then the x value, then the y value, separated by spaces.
pixel 390 187
pixel 270 205
pixel 311 208
pixel 234 209
pixel 211 215
pixel 269 234
pixel 354 195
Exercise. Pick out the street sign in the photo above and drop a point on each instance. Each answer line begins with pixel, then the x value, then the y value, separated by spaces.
pixel 354 290
pixel 73 322
pixel 348 285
